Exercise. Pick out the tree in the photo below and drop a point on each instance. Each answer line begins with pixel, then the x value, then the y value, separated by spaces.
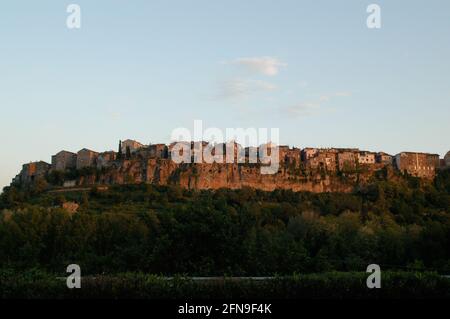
pixel 119 155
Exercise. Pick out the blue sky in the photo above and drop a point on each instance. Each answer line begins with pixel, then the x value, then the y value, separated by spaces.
pixel 139 69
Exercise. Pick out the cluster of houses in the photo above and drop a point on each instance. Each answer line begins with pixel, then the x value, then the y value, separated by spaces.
pixel 417 164
pixel 65 160
pixel 330 159
pixel 333 159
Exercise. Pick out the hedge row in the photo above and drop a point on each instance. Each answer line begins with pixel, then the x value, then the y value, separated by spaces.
pixel 36 284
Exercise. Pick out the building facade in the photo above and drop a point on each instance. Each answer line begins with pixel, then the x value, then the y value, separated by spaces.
pixel 365 157
pixel 384 158
pixel 158 151
pixel 251 154
pixel 447 159
pixel 347 159
pixel 64 160
pixel 105 159
pixel 32 171
pixel 308 153
pixel 86 158
pixel 290 155
pixel 132 145
pixel 324 158
pixel 417 164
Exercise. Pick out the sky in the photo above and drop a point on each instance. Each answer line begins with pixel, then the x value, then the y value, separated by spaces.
pixel 140 69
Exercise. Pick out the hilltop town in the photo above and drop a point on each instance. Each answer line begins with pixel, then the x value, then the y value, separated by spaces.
pixel 309 169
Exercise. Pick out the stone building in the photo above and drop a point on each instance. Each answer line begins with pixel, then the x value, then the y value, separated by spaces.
pixel 251 154
pixel 86 158
pixel 290 155
pixel 203 151
pixel 384 158
pixel 283 151
pixel 178 149
pixel 447 159
pixel 230 152
pixel 132 145
pixel 71 183
pixel 347 159
pixel 365 157
pixel 265 152
pixel 417 164
pixel 32 171
pixel 154 151
pixel 308 153
pixel 64 160
pixel 324 158
pixel 158 151
pixel 105 159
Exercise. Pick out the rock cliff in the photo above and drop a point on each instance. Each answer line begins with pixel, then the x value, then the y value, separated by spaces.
pixel 233 176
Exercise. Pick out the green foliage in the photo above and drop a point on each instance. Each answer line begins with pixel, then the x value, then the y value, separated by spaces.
pixel 35 283
pixel 170 230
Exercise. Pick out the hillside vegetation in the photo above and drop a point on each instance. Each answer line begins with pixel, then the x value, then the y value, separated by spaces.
pixel 169 230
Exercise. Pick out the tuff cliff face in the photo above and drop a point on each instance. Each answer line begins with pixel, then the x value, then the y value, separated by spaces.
pixel 233 176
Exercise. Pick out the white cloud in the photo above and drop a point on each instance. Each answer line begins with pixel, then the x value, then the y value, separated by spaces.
pixel 303 109
pixel 311 107
pixel 262 65
pixel 343 94
pixel 238 88
pixel 262 85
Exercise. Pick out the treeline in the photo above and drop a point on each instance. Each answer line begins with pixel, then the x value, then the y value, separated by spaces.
pixel 168 230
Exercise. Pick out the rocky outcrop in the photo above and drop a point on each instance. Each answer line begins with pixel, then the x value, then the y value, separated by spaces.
pixel 232 176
